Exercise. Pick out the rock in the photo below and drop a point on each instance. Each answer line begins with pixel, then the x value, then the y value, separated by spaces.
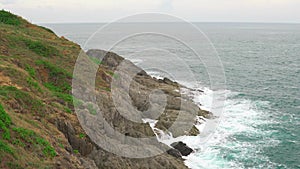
pixel 182 148
pixel 174 153
pixel 168 81
pixel 83 145
pixel 107 58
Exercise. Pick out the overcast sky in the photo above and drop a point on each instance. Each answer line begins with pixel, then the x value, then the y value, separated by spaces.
pixel 57 11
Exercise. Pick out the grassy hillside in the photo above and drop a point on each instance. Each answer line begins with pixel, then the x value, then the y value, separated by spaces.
pixel 35 84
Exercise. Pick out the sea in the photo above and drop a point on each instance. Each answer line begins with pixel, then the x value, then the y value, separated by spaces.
pixel 259 126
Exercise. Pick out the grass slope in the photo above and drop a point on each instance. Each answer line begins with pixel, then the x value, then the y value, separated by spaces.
pixel 35 87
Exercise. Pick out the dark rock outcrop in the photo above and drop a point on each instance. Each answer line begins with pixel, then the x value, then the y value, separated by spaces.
pixel 182 148
pixel 174 152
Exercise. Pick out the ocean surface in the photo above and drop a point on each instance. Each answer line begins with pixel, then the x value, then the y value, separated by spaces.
pixel 260 127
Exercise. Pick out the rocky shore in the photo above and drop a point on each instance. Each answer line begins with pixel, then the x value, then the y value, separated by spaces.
pixel 39 126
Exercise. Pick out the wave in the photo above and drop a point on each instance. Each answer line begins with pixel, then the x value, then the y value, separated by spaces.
pixel 239 139
pixel 237 142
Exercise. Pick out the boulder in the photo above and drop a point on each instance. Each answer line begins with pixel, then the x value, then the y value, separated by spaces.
pixel 175 153
pixel 182 148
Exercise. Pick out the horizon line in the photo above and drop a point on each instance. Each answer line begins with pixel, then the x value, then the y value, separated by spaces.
pixel 225 22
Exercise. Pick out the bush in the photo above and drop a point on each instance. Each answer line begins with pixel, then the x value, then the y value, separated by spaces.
pixel 9 18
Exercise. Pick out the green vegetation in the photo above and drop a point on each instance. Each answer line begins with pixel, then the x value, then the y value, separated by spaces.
pixel 81 135
pixel 91 109
pixel 18 142
pixel 38 66
pixel 5 122
pixel 26 135
pixel 66 97
pixel 26 101
pixel 33 84
pixel 58 92
pixel 47 149
pixel 47 29
pixel 30 70
pixel 107 89
pixel 40 48
pixel 110 73
pixel 115 76
pixel 4 147
pixel 61 145
pixel 76 151
pixel 9 18
pixel 30 137
pixel 68 110
pixel 24 44
pixel 58 86
pixel 77 102
pixel 62 88
pixel 54 70
pixel 95 60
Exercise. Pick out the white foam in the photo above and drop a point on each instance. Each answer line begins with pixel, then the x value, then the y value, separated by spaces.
pixel 239 117
pixel 155 74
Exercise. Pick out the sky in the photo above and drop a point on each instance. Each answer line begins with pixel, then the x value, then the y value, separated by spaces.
pixel 85 11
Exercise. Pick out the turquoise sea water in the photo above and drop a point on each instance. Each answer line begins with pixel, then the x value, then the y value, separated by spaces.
pixel 261 127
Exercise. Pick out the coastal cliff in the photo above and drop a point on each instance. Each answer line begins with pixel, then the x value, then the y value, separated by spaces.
pixel 38 124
